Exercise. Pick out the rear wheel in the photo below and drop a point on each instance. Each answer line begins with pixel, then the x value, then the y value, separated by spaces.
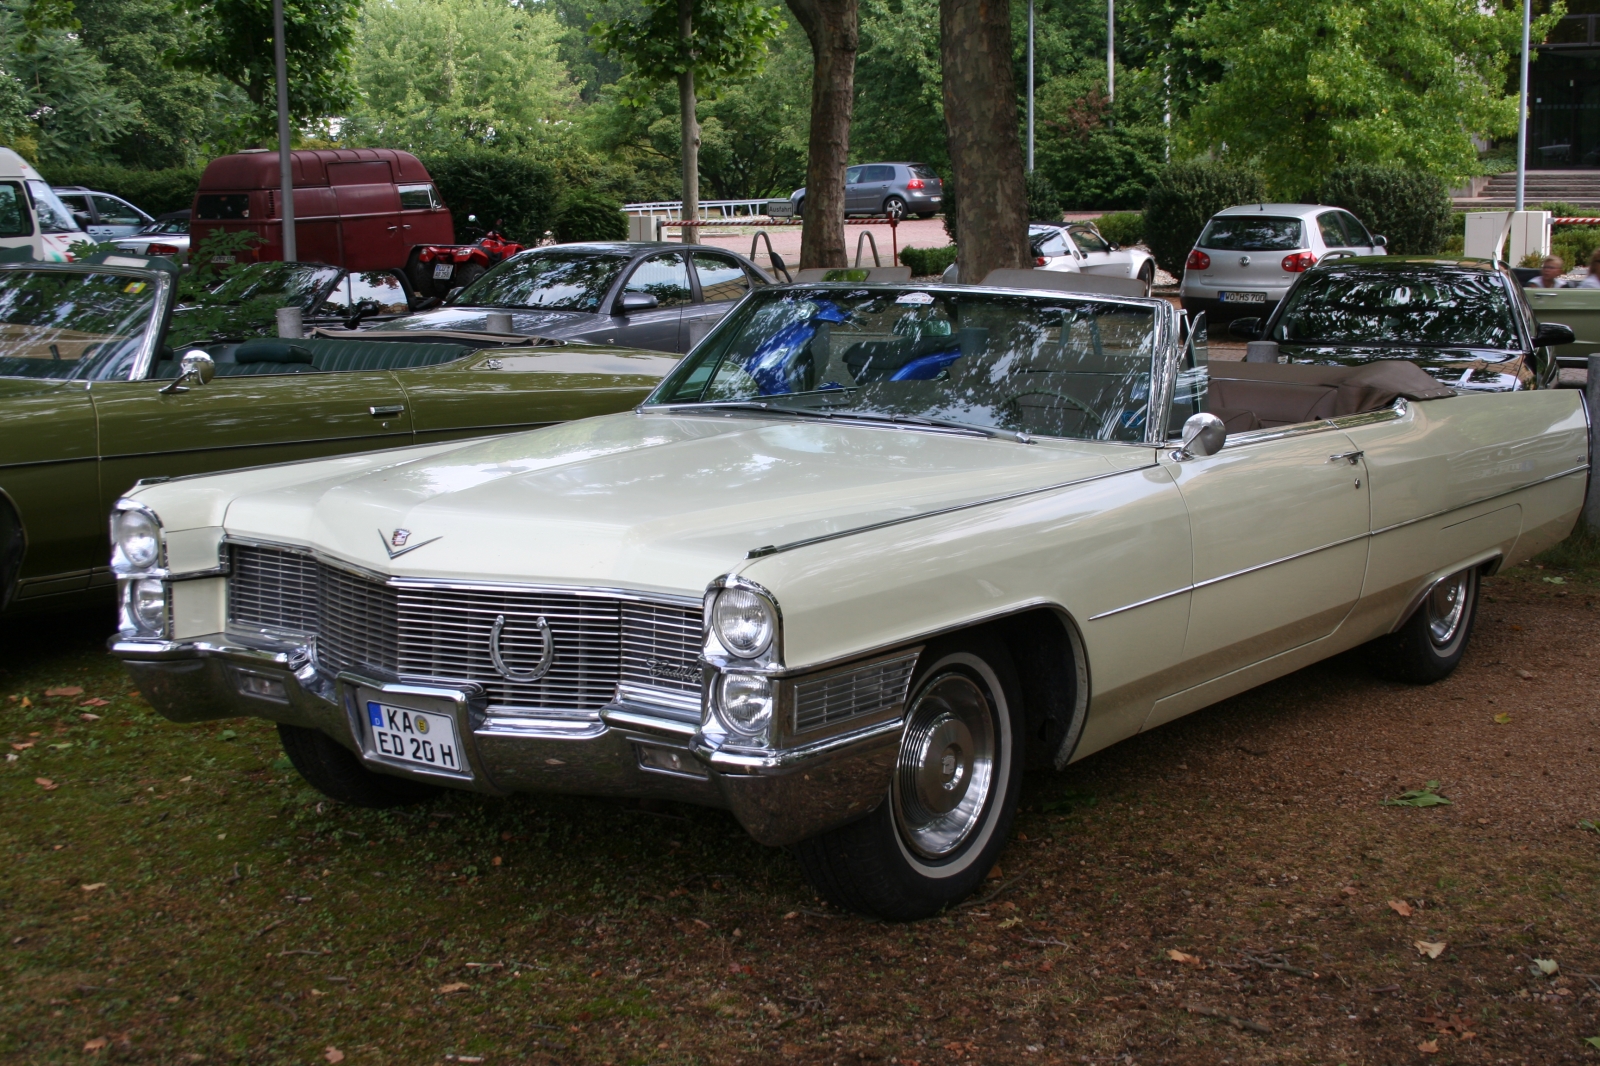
pixel 800 208
pixel 467 273
pixel 894 207
pixel 1427 647
pixel 949 807
pixel 1147 275
pixel 333 770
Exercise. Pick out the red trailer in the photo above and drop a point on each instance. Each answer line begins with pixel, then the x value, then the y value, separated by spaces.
pixel 359 208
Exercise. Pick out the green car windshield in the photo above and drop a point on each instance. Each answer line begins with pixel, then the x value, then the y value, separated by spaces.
pixel 244 304
pixel 1061 367
pixel 1389 308
pixel 70 324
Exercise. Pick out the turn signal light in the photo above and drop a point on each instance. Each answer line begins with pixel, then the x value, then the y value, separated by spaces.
pixel 914 183
pixel 1198 260
pixel 161 249
pixel 1296 262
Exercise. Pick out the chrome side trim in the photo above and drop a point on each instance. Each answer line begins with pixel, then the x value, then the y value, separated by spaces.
pixel 745 764
pixel 1335 544
pixel 774 549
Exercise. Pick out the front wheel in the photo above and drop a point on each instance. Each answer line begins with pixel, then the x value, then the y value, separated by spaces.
pixel 1429 644
pixel 333 770
pixel 950 803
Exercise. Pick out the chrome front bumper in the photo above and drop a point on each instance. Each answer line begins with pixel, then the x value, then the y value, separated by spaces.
pixel 633 750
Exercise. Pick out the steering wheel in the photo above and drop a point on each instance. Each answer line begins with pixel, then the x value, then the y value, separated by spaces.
pixel 1072 401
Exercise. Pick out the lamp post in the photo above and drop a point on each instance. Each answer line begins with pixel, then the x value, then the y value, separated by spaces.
pixel 1522 109
pixel 285 164
pixel 1111 50
pixel 1030 85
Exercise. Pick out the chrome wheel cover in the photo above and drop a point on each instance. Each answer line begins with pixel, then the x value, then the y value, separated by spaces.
pixel 945 772
pixel 1446 607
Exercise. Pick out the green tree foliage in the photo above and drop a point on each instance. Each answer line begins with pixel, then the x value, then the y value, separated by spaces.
pixel 899 112
pixel 1410 208
pixel 1183 197
pixel 1100 154
pixel 436 73
pixel 585 216
pixel 1308 87
pixel 232 40
pixel 511 193
pixel 1044 201
pixel 157 191
pixel 59 102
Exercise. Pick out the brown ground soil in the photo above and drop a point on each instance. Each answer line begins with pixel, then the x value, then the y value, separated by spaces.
pixel 1227 889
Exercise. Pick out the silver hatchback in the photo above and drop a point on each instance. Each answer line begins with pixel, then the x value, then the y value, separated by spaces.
pixel 894 190
pixel 1248 256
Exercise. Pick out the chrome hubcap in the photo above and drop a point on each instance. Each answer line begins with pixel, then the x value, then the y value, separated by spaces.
pixel 946 766
pixel 1446 605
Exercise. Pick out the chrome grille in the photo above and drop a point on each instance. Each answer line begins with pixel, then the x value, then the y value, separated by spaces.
pixel 661 647
pixel 854 693
pixel 442 632
pixel 272 589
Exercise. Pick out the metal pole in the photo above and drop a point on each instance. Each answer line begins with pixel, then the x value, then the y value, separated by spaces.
pixel 1030 85
pixel 1522 108
pixel 285 164
pixel 1111 50
pixel 1591 505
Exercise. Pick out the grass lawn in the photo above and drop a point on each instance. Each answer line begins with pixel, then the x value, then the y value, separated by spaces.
pixel 1226 889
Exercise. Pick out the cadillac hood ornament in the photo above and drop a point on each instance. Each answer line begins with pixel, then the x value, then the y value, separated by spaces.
pixel 395 543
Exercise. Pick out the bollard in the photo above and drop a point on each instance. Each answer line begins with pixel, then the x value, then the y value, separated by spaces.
pixel 290 323
pixel 498 322
pixel 1591 390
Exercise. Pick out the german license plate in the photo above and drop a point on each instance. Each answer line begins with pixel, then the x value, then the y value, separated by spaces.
pixel 442 271
pixel 1242 297
pixel 418 738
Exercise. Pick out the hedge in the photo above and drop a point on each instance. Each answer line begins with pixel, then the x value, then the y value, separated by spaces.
pixel 925 262
pixel 1044 202
pixel 154 191
pixel 1121 227
pixel 1183 199
pixel 587 216
pixel 1408 207
pixel 509 193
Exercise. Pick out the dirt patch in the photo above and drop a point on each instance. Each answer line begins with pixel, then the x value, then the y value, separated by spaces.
pixel 1227 889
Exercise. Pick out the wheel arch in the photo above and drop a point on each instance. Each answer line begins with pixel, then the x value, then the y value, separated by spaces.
pixel 13 547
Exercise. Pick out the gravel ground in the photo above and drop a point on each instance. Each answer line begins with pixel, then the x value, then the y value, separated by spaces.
pixel 1227 889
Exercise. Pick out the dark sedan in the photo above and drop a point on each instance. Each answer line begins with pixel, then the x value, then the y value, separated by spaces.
pixel 1465 321
pixel 639 294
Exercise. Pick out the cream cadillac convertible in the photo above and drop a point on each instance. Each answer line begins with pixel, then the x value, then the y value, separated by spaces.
pixel 864 557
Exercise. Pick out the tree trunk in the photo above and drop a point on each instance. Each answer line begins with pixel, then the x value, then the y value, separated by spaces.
pixel 691 129
pixel 833 28
pixel 980 114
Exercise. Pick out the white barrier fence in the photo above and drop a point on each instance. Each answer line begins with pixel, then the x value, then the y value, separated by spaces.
pixel 672 210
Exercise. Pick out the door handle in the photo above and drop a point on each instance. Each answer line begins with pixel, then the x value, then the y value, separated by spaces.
pixel 393 228
pixel 1351 457
pixel 387 411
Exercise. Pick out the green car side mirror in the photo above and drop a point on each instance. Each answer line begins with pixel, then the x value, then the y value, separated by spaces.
pixel 196 368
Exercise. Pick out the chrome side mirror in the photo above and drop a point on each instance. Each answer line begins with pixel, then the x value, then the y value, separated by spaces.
pixel 196 368
pixel 1203 434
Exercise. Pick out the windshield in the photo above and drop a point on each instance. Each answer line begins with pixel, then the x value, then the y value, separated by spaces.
pixel 1252 233
pixel 289 284
pixel 53 214
pixel 245 302
pixel 1441 309
pixel 66 324
pixel 562 281
pixel 1063 367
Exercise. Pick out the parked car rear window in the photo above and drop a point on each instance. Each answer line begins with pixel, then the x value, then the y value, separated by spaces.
pixel 1437 309
pixel 926 173
pixel 223 207
pixel 562 281
pixel 1253 233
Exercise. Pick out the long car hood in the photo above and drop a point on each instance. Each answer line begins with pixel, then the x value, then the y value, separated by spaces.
pixel 1477 370
pixel 646 501
pixel 543 323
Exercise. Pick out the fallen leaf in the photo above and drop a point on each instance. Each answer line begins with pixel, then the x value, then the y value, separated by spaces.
pixel 333 1054
pixel 1400 907
pixel 26 702
pixel 1184 957
pixel 1429 1047
pixel 791 914
pixel 994 874
pixel 1526 675
pixel 65 690
pixel 453 986
pixel 46 784
pixel 1349 890
pixel 1547 967
pixel 87 717
pixel 1502 719
pixel 495 860
pixel 97 1044
pixel 24 746
pixel 97 886
pixel 1592 1041
pixel 95 701
pixel 1432 949
pixel 1426 796
pixel 1010 923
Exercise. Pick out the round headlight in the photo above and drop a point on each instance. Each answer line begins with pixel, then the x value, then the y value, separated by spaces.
pixel 743 621
pixel 150 604
pixel 138 537
pixel 745 701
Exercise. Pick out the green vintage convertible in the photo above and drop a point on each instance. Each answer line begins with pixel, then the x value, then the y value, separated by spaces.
pixel 92 400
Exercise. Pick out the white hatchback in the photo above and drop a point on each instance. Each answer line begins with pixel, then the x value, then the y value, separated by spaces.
pixel 1248 256
pixel 1079 248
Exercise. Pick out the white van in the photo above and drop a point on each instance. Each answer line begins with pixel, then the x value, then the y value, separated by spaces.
pixel 31 215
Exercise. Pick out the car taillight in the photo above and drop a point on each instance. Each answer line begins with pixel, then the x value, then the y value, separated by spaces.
pixel 1198 260
pixel 1296 262
pixel 914 183
pixel 1039 260
pixel 161 249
